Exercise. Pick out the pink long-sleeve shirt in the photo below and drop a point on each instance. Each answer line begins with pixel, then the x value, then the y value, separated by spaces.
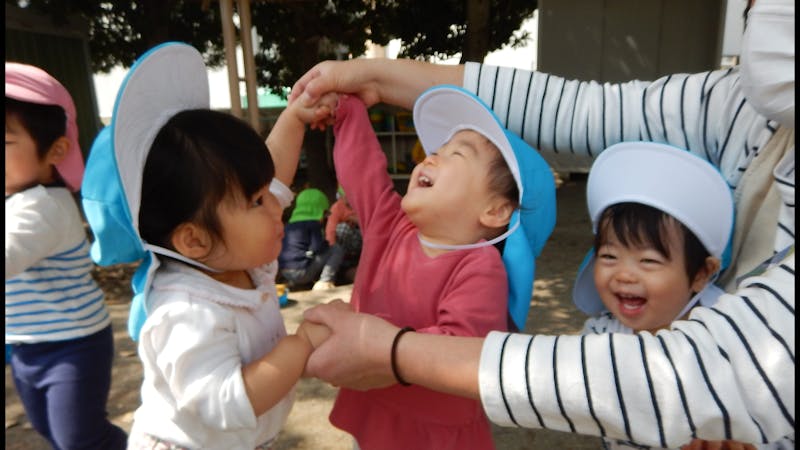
pixel 461 292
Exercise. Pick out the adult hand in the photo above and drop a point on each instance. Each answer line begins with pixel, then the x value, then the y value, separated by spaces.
pixel 357 353
pixel 349 77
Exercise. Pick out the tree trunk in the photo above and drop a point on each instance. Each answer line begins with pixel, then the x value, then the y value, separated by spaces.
pixel 476 41
pixel 319 173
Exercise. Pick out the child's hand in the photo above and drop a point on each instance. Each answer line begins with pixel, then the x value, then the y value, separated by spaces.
pixel 325 113
pixel 318 115
pixel 314 333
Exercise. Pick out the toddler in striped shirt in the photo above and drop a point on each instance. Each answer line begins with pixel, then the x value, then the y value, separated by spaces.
pixel 57 324
pixel 662 219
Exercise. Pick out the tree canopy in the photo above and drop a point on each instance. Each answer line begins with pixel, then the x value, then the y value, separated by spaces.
pixel 295 34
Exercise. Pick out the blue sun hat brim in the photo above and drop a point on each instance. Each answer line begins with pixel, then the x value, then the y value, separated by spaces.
pixel 664 177
pixel 167 79
pixel 443 110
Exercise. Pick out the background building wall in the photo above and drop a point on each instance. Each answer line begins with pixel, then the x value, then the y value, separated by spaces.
pixel 621 40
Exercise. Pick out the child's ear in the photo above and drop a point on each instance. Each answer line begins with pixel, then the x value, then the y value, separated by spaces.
pixel 57 151
pixel 497 214
pixel 710 266
pixel 191 241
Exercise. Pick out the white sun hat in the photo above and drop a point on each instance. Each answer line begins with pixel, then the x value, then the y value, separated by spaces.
pixel 442 111
pixel 664 177
pixel 167 79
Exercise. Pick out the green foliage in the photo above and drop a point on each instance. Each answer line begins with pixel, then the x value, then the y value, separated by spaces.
pixel 120 31
pixel 438 28
pixel 294 34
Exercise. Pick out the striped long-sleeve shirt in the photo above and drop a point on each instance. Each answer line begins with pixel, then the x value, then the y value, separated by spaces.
pixel 728 373
pixel 705 113
pixel 50 292
pixel 607 323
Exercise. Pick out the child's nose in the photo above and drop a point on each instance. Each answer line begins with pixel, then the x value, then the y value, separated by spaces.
pixel 431 159
pixel 625 275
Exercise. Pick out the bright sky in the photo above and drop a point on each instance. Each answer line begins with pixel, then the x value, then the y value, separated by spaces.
pixel 107 85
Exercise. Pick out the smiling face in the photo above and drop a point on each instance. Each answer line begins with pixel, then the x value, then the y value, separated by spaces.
pixel 640 285
pixel 449 191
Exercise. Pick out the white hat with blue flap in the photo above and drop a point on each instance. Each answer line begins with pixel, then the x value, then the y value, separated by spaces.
pixel 669 179
pixel 167 79
pixel 443 110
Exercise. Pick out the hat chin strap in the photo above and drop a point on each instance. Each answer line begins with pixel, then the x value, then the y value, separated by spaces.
pixel 169 253
pixel 709 293
pixel 430 244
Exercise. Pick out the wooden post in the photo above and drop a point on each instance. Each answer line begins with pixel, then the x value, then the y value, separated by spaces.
pixel 229 37
pixel 246 36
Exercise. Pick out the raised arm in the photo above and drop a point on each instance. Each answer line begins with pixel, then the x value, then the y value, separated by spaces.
pixel 393 81
pixel 285 140
pixel 727 373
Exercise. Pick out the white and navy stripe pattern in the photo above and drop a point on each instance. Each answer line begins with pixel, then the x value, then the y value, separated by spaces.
pixel 55 299
pixel 728 373
pixel 705 113
pixel 784 182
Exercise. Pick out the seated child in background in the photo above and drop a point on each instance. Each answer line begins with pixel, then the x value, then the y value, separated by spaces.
pixel 662 219
pixel 200 206
pixel 57 322
pixel 342 229
pixel 305 255
pixel 428 260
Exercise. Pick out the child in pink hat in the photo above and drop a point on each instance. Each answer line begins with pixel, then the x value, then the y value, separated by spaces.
pixel 57 324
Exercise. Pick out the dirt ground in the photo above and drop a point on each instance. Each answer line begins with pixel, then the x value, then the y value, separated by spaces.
pixel 552 312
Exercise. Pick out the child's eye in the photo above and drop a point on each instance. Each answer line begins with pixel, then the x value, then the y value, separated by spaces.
pixel 258 201
pixel 651 261
pixel 606 256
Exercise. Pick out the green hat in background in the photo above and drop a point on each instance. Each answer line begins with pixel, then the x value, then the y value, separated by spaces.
pixel 309 205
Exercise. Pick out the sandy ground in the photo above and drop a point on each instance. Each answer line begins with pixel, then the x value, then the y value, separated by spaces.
pixel 551 312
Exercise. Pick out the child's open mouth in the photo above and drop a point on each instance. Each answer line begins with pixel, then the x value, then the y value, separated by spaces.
pixel 424 181
pixel 630 304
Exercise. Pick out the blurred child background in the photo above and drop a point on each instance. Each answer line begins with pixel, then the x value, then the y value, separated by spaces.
pixel 342 229
pixel 305 256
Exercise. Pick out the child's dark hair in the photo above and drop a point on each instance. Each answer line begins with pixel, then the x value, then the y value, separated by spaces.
pixel 638 225
pixel 197 158
pixel 501 182
pixel 45 123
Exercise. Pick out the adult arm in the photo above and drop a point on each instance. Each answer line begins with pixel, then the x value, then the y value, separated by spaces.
pixel 727 373
pixel 704 112
pixel 393 81
pixel 357 354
